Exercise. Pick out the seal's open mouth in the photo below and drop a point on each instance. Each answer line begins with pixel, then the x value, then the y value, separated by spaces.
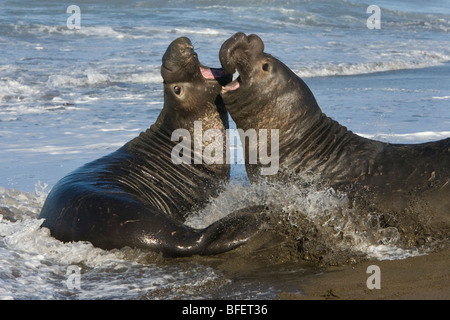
pixel 239 54
pixel 234 85
pixel 234 54
pixel 180 63
pixel 212 73
pixel 217 74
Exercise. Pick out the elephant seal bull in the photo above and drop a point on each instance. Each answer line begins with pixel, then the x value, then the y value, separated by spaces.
pixel 377 176
pixel 137 196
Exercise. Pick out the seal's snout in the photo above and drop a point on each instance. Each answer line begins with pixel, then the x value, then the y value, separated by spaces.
pixel 240 53
pixel 239 47
pixel 179 48
pixel 228 50
pixel 239 36
pixel 174 67
pixel 256 44
pixel 180 63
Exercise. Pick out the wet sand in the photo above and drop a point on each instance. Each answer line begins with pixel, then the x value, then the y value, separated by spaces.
pixel 424 277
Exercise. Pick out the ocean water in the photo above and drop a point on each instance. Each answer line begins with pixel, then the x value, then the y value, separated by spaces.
pixel 69 96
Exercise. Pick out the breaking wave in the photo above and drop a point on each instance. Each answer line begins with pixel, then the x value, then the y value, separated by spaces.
pixel 25 30
pixel 35 265
pixel 416 60
pixel 91 77
pixel 416 137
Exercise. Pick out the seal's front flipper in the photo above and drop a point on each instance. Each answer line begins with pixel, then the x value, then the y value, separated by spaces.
pixel 156 231
pixel 232 230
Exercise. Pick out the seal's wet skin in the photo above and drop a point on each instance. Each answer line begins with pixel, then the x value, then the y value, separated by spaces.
pixel 137 196
pixel 412 181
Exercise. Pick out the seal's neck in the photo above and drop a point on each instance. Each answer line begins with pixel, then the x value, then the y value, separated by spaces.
pixel 320 146
pixel 173 188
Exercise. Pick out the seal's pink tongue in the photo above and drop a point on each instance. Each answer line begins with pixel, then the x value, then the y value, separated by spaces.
pixel 207 73
pixel 211 74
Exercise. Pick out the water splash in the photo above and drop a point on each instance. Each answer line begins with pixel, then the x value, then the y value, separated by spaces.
pixel 319 219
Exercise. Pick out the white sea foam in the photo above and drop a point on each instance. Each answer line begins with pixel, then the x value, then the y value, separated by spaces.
pixel 415 137
pixel 325 208
pixel 201 31
pixel 441 98
pixel 34 264
pixel 386 252
pixel 92 77
pixel 88 31
pixel 16 90
pixel 105 31
pixel 408 60
pixel 149 77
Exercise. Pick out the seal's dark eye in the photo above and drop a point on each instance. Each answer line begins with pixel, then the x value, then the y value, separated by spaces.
pixel 266 66
pixel 177 89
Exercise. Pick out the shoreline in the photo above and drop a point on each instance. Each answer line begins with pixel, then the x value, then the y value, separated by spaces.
pixel 425 277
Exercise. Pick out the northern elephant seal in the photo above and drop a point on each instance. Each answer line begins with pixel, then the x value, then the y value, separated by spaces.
pixel 137 196
pixel 379 177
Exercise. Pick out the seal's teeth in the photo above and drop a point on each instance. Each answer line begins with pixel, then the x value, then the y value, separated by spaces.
pixel 231 87
pixel 225 89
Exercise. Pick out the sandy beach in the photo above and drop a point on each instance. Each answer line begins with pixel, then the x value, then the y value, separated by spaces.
pixel 424 277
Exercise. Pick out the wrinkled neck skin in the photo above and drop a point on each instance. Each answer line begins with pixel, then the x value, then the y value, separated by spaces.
pixel 310 143
pixel 171 187
pixel 144 166
pixel 189 97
